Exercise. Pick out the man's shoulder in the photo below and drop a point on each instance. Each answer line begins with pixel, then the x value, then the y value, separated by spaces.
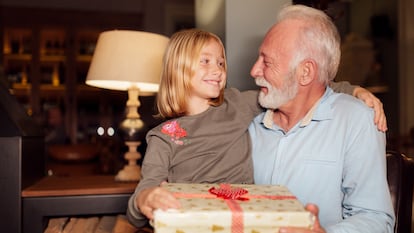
pixel 347 100
pixel 345 104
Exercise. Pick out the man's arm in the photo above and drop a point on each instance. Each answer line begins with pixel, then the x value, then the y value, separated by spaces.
pixel 365 148
pixel 366 205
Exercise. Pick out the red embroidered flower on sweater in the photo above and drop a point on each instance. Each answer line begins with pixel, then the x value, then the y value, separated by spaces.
pixel 173 129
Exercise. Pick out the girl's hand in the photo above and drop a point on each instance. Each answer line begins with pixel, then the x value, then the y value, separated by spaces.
pixel 154 198
pixel 371 101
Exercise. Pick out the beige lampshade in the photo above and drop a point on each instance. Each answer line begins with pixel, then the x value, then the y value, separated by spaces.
pixel 124 58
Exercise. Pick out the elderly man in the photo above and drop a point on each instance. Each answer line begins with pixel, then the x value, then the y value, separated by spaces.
pixel 322 145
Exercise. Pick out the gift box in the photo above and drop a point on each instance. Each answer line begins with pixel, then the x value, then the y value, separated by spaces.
pixel 231 208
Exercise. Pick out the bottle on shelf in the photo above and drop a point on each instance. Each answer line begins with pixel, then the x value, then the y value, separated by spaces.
pixel 55 76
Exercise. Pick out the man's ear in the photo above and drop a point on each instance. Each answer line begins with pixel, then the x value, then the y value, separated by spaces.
pixel 307 72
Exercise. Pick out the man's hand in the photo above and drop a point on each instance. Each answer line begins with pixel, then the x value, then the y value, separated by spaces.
pixel 371 101
pixel 317 228
pixel 155 198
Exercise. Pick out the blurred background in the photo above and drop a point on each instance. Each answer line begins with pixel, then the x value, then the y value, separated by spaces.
pixel 47 47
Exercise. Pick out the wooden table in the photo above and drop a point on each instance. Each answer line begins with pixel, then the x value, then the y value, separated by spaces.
pixel 55 196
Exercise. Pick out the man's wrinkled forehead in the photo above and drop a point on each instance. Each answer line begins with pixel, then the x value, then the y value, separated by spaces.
pixel 281 36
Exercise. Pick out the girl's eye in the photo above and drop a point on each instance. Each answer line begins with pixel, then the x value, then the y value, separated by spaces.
pixel 221 64
pixel 204 60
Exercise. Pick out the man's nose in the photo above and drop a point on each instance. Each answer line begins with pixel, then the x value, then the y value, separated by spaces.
pixel 256 71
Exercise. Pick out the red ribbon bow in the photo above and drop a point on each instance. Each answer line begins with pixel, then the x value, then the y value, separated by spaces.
pixel 225 191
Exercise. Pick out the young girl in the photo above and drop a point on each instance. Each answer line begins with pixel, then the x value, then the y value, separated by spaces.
pixel 205 138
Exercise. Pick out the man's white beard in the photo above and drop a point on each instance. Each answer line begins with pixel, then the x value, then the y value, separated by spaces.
pixel 277 97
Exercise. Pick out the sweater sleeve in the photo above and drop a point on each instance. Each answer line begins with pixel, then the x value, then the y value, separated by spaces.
pixel 249 98
pixel 154 171
pixel 252 99
pixel 343 87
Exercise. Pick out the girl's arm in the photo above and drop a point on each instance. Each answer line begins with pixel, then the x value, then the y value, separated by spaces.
pixel 154 171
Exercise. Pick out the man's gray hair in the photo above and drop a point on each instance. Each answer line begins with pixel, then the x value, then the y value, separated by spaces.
pixel 318 40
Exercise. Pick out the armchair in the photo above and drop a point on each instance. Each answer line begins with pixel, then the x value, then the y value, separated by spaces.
pixel 400 181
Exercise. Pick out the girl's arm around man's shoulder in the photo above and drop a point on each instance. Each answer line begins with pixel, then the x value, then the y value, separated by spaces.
pixel 249 98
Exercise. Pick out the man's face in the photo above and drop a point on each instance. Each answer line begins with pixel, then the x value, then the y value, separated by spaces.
pixel 276 97
pixel 272 69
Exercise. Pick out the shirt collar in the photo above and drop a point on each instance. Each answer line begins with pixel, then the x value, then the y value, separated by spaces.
pixel 318 112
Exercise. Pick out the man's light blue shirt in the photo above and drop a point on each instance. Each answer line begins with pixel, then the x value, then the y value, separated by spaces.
pixel 334 157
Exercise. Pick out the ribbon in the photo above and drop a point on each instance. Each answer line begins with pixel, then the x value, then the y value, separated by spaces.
pixel 231 195
pixel 227 192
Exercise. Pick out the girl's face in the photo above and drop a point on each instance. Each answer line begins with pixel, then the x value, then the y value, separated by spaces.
pixel 210 76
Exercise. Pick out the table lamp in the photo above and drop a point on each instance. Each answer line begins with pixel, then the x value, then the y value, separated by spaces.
pixel 128 60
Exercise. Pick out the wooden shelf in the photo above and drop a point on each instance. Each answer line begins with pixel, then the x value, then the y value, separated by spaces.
pixel 84 58
pixel 18 57
pixel 78 185
pixel 53 58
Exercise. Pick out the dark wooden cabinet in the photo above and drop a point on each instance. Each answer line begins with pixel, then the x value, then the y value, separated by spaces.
pixel 45 59
pixel 45 56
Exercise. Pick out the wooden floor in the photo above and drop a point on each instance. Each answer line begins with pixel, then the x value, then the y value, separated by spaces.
pixel 104 224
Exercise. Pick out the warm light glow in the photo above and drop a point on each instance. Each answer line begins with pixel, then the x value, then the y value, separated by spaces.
pixel 124 58
pixel 122 85
pixel 128 60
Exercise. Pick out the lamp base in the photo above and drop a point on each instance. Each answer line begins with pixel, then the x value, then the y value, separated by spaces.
pixel 129 174
pixel 132 171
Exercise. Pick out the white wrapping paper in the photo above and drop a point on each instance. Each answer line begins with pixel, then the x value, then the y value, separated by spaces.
pixel 266 208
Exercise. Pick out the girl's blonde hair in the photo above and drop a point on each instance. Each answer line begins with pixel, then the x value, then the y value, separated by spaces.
pixel 180 62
